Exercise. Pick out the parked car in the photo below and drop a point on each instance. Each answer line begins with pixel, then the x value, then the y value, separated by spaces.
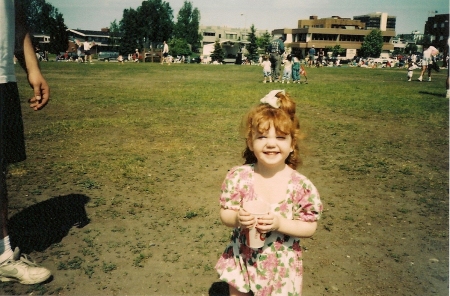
pixel 384 61
pixel 107 56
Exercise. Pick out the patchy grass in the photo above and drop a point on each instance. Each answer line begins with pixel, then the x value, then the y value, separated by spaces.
pixel 150 146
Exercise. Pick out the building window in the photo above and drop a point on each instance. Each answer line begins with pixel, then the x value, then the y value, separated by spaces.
pixel 209 34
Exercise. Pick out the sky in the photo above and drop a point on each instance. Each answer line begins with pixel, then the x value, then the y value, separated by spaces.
pixel 264 14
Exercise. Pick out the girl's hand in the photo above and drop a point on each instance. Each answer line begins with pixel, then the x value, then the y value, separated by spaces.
pixel 245 219
pixel 268 223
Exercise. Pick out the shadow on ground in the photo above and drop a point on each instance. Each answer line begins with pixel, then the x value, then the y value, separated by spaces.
pixel 41 225
pixel 218 289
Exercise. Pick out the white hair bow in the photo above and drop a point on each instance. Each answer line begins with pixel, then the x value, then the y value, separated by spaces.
pixel 271 98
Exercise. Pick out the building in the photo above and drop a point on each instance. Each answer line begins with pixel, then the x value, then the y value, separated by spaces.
pixel 437 28
pixel 378 20
pixel 329 32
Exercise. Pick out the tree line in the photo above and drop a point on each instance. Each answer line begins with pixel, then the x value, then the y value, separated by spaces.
pixel 147 25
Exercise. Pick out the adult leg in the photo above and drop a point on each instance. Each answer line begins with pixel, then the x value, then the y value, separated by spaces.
pixel 277 67
pixel 12 150
pixel 424 68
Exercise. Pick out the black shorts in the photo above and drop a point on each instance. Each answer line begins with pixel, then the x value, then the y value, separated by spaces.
pixel 87 52
pixel 12 140
pixel 165 54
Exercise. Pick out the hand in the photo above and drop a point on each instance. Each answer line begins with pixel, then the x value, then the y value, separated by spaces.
pixel 245 219
pixel 41 91
pixel 268 223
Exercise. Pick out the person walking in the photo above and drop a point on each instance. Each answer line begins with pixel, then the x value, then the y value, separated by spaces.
pixel 311 54
pixel 87 51
pixel 276 49
pixel 165 54
pixel 13 29
pixel 427 61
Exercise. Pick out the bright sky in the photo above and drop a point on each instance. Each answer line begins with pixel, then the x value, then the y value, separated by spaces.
pixel 264 14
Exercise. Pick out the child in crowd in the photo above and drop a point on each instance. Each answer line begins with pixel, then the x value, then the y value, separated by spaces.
pixel 296 70
pixel 287 72
pixel 272 132
pixel 267 70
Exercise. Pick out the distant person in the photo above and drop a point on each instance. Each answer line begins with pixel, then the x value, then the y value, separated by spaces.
pixel 287 71
pixel 267 70
pixel 120 59
pixel 312 56
pixel 13 267
pixel 80 51
pixel 320 58
pixel 136 56
pixel 427 61
pixel 295 70
pixel 87 51
pixel 165 54
pixel 276 49
pixel 271 131
pixel 447 82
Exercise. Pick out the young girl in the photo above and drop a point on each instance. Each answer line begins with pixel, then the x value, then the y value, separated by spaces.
pixel 267 69
pixel 272 133
pixel 287 72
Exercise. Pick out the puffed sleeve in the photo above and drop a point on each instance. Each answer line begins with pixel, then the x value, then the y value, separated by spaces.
pixel 235 187
pixel 306 200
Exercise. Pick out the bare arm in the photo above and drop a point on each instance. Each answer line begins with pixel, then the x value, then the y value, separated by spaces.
pixel 296 228
pixel 27 58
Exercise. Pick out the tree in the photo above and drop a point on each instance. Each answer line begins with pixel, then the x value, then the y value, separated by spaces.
pixel 150 23
pixel 252 47
pixel 114 33
pixel 217 54
pixel 43 18
pixel 129 30
pixel 264 41
pixel 337 50
pixel 179 46
pixel 187 25
pixel 410 48
pixel 372 44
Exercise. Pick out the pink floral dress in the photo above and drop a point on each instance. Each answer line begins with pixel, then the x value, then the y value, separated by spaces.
pixel 276 268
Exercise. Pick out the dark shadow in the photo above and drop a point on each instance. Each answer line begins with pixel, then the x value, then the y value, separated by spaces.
pixel 439 94
pixel 219 289
pixel 41 225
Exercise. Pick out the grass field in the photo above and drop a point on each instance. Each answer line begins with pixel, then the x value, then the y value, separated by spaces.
pixel 134 155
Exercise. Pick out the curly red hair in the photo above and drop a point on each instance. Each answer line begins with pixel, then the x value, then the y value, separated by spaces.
pixel 283 119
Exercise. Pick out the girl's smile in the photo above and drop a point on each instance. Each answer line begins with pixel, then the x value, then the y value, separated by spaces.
pixel 271 148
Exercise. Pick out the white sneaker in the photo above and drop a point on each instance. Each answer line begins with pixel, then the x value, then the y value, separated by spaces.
pixel 429 78
pixel 22 270
pixel 420 78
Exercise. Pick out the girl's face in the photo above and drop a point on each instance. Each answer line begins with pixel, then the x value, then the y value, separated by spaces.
pixel 270 147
